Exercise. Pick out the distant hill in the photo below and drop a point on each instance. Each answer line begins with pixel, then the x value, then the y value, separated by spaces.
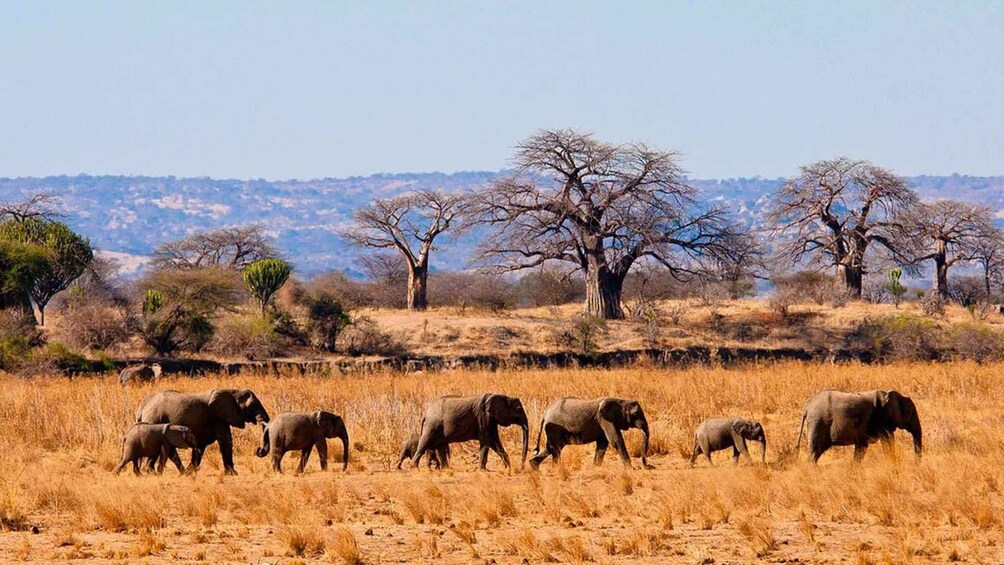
pixel 128 216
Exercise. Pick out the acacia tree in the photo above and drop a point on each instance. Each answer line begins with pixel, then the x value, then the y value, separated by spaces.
pixel 232 248
pixel 945 232
pixel 409 224
pixel 601 207
pixel 834 210
pixel 67 255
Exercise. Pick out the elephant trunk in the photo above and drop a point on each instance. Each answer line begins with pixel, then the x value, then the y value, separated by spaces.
pixel 763 450
pixel 344 437
pixel 525 426
pixel 644 443
pixel 915 431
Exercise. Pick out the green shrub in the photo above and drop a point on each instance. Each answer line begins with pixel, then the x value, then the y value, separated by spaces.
pixel 976 342
pixel 899 338
pixel 364 337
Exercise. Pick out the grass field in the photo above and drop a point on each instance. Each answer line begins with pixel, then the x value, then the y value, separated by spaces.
pixel 60 439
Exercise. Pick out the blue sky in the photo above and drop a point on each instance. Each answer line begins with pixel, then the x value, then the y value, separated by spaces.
pixel 311 89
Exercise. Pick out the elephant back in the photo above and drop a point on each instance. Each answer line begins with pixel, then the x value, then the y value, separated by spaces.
pixel 138 373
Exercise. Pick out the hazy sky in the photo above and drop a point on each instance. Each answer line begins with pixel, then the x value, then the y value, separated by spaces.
pixel 298 89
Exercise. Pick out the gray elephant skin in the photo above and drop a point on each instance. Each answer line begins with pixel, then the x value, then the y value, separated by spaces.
pixel 715 434
pixel 154 442
pixel 303 432
pixel 144 373
pixel 209 415
pixel 455 419
pixel 834 418
pixel 576 421
pixel 440 457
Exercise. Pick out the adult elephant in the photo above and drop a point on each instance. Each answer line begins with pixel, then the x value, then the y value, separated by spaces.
pixel 859 419
pixel 455 419
pixel 577 421
pixel 209 415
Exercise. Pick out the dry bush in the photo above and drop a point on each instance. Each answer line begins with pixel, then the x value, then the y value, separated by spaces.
pixel 247 336
pixel 364 337
pixel 94 325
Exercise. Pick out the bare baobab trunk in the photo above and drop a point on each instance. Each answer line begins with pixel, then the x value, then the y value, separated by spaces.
pixel 418 283
pixel 603 293
pixel 852 278
pixel 941 275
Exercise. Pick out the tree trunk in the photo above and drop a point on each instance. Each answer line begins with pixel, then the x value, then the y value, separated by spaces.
pixel 852 278
pixel 603 293
pixel 941 276
pixel 418 279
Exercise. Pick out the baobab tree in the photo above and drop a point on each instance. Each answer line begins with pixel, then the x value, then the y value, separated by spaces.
pixel 834 210
pixel 232 248
pixel 945 232
pixel 601 207
pixel 408 224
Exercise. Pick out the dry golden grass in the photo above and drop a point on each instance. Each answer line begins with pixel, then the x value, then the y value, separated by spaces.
pixel 61 438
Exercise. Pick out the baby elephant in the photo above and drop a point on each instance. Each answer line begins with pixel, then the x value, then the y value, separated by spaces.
pixel 155 442
pixel 440 456
pixel 303 431
pixel 715 434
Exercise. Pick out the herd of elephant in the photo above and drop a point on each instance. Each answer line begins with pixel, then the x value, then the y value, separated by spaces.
pixel 169 420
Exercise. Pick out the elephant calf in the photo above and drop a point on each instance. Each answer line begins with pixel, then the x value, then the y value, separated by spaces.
pixel 155 442
pixel 600 421
pixel 715 434
pixel 303 431
pixel 440 456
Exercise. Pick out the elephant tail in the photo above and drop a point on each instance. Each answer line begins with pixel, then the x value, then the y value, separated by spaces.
pixel 536 450
pixel 263 450
pixel 801 427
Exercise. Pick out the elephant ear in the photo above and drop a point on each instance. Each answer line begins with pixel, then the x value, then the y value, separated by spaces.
pixel 326 422
pixel 489 409
pixel 744 428
pixel 612 410
pixel 225 407
pixel 895 406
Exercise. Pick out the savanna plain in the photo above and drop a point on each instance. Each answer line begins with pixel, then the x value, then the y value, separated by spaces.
pixel 60 501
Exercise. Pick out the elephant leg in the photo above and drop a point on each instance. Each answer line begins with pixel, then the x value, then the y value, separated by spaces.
pixel 443 456
pixel 176 459
pixel 135 466
pixel 424 444
pixel 735 456
pixel 859 452
pixel 483 458
pixel 226 440
pixel 617 441
pixel 304 456
pixel 498 448
pixel 695 452
pixel 601 451
pixel 322 453
pixel 277 454
pixel 122 465
pixel 818 443
pixel 196 461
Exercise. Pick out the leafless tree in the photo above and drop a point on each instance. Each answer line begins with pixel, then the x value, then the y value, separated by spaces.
pixel 232 248
pixel 989 255
pixel 945 232
pixel 834 210
pixel 601 207
pixel 408 224
pixel 40 206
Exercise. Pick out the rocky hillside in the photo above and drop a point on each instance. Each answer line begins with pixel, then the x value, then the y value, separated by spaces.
pixel 128 216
